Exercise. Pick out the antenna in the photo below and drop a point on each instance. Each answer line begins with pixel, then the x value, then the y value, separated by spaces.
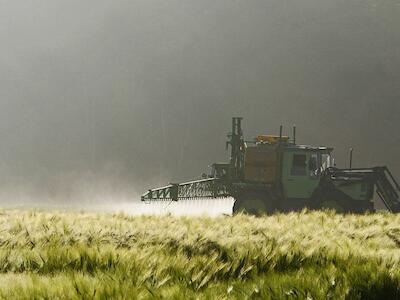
pixel 351 158
pixel 294 134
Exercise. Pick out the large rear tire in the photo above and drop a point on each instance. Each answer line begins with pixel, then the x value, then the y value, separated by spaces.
pixel 254 203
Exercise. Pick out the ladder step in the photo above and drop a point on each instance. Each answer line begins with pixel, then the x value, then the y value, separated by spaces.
pixel 387 191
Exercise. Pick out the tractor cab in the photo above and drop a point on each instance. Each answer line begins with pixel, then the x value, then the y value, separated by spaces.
pixel 302 168
pixel 280 162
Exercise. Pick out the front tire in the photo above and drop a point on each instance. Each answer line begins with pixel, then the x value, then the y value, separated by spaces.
pixel 332 205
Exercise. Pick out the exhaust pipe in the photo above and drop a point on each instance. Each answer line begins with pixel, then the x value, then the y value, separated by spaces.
pixel 351 158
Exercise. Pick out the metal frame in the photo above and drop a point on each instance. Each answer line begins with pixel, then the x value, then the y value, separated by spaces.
pixel 204 188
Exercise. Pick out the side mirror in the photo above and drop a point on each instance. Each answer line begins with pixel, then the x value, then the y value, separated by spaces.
pixel 312 164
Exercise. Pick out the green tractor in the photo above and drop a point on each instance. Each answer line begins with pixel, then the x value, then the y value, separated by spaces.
pixel 274 173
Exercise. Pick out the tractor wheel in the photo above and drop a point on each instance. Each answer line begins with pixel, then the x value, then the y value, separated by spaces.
pixel 333 205
pixel 327 197
pixel 254 204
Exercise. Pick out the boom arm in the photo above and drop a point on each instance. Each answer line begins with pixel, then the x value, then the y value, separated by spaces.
pixel 220 185
pixel 204 188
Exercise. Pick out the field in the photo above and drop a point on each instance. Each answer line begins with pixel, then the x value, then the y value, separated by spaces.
pixel 308 255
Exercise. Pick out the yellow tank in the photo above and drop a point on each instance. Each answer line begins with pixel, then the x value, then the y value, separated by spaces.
pixel 271 139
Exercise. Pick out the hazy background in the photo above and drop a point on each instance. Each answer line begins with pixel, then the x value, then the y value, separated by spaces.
pixel 100 100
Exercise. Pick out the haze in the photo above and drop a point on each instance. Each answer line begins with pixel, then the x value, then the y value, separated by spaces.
pixel 105 99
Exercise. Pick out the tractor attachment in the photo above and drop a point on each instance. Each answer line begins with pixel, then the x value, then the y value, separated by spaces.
pixel 378 179
pixel 196 189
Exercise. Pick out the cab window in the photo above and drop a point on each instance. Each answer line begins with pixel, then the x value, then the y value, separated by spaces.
pixel 299 165
pixel 313 165
pixel 325 161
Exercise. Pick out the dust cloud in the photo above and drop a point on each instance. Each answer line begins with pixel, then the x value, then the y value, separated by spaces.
pixel 101 100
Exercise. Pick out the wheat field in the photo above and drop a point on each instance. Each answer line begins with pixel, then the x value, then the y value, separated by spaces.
pixel 307 255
